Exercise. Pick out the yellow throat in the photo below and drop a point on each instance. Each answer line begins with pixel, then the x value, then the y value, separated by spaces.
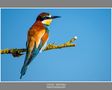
pixel 47 22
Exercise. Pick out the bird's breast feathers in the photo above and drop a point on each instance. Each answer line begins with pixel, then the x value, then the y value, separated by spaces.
pixel 37 35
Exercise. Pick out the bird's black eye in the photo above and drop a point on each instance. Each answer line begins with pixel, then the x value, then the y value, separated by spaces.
pixel 46 18
pixel 43 18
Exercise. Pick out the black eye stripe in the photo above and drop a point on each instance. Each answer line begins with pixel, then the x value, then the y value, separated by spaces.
pixel 43 18
pixel 46 18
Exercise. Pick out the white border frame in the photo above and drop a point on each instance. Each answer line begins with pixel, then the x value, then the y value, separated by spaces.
pixel 111 45
pixel 55 8
pixel 0 48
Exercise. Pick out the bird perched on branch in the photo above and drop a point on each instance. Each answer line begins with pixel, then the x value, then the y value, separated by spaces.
pixel 37 37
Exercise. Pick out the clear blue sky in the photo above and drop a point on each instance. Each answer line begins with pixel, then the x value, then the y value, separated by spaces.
pixel 88 61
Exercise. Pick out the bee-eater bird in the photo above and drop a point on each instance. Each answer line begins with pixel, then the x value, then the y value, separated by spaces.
pixel 36 39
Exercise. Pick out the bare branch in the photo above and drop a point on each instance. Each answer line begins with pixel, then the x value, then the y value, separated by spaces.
pixel 18 52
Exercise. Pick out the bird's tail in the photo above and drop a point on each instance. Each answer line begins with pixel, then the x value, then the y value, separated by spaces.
pixel 25 66
pixel 28 59
pixel 23 71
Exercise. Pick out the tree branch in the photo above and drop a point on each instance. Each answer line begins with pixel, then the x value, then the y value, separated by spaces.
pixel 18 52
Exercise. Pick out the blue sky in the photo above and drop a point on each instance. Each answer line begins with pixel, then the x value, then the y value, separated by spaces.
pixel 88 61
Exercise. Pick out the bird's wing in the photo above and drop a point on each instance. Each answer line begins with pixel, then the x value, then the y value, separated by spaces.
pixel 34 45
pixel 44 40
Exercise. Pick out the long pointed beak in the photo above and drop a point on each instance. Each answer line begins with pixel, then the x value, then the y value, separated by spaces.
pixel 53 17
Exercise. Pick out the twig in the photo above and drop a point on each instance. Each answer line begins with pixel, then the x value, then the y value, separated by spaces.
pixel 18 52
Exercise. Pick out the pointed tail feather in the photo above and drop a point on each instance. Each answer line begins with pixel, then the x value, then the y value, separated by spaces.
pixel 23 71
pixel 25 66
pixel 28 59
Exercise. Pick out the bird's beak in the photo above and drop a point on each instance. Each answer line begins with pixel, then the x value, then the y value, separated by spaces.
pixel 53 17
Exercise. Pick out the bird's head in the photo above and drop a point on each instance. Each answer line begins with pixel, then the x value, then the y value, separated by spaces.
pixel 46 18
